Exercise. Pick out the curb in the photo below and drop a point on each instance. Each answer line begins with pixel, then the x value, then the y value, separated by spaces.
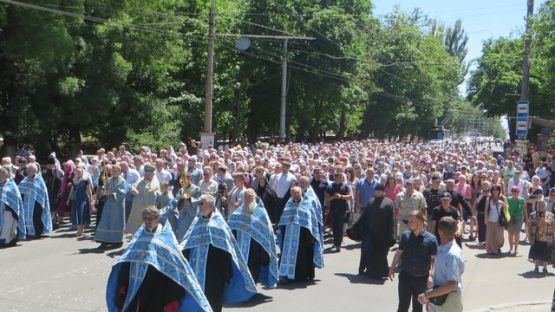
pixel 502 307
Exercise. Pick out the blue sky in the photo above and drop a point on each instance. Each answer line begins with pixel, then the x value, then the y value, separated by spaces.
pixel 482 19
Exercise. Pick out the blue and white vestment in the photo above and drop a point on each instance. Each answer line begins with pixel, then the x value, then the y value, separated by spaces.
pixel 256 225
pixel 294 216
pixel 34 190
pixel 161 251
pixel 215 231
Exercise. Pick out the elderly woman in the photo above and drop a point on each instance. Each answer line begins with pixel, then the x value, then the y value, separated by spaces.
pixel 80 196
pixel 542 235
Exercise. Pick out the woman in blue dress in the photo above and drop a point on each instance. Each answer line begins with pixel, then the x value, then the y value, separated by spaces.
pixel 80 197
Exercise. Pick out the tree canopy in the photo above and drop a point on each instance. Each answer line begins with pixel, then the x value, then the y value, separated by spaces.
pixel 495 84
pixel 134 71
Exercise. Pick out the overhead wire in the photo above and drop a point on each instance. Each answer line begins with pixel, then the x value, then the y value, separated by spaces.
pixel 295 65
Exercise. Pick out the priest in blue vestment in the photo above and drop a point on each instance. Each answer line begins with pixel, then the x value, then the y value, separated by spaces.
pixel 152 275
pixel 216 258
pixel 36 206
pixel 310 195
pixel 253 231
pixel 111 227
pixel 12 226
pixel 300 239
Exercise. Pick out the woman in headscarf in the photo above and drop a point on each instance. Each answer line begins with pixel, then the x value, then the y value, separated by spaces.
pixel 67 180
pixel 268 196
pixel 81 197
pixel 542 236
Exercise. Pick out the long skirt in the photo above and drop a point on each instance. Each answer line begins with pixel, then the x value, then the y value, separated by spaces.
pixel 111 226
pixel 494 237
pixel 540 251
pixel 9 229
pixel 481 227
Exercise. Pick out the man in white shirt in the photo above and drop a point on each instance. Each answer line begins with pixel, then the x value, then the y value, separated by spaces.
pixel 161 173
pixel 236 196
pixel 207 184
pixel 281 182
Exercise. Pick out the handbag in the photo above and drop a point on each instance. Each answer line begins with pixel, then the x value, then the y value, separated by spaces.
pixel 502 220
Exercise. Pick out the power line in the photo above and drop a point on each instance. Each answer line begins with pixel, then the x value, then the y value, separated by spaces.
pixel 301 66
pixel 260 25
pixel 80 16
pixel 318 72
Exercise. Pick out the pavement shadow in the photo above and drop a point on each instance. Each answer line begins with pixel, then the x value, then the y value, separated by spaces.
pixel 361 279
pixel 296 285
pixel 256 300
pixel 486 255
pixel 474 246
pixel 329 250
pixel 67 235
pixel 96 250
pixel 532 274
pixel 116 253
pixel 352 246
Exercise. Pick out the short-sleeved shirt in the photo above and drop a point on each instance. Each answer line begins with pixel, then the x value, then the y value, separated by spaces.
pixel 515 207
pixel 365 190
pixel 416 258
pixel 281 183
pixel 319 188
pixel 433 199
pixel 439 213
pixel 449 265
pixel 409 202
pixel 342 189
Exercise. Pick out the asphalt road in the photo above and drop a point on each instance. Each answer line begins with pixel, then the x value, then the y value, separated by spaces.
pixel 62 273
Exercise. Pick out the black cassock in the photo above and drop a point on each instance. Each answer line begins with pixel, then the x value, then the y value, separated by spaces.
pixel 158 293
pixel 304 268
pixel 218 274
pixel 37 218
pixel 375 229
pixel 258 257
pixel 270 200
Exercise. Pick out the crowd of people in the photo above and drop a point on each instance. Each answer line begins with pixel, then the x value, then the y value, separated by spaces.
pixel 227 218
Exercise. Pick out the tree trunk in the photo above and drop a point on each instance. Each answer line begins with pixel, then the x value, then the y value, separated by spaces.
pixel 317 125
pixel 342 126
pixel 75 137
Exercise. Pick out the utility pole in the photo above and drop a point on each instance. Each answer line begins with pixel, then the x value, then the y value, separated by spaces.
pixel 525 89
pixel 523 106
pixel 209 95
pixel 283 110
